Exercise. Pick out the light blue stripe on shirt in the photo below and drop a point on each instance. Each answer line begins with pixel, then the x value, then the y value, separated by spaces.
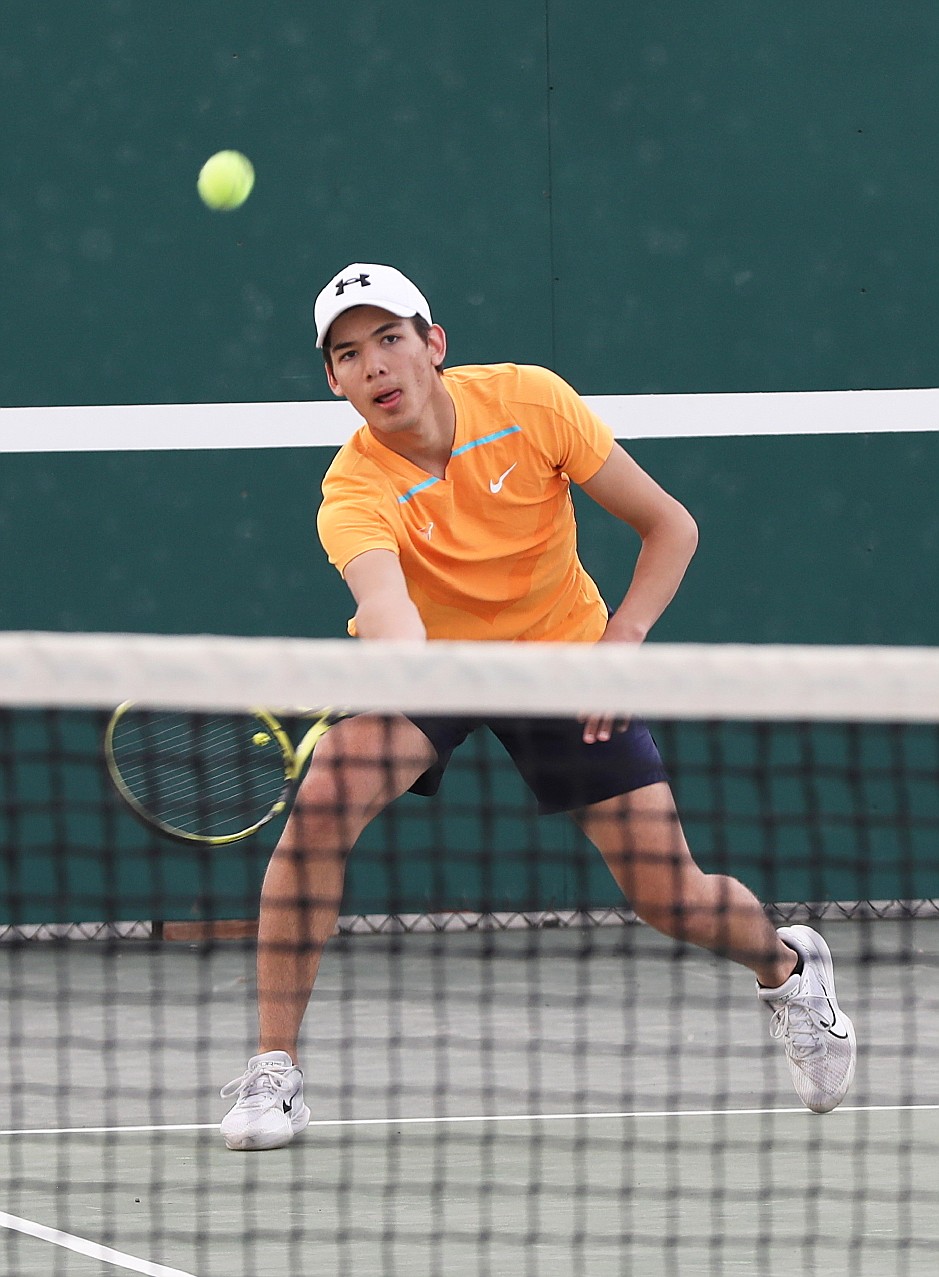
pixel 464 447
pixel 418 487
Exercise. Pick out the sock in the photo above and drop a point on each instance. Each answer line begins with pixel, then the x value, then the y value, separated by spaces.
pixel 796 970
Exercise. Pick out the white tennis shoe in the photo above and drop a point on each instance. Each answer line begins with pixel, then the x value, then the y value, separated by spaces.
pixel 821 1047
pixel 269 1110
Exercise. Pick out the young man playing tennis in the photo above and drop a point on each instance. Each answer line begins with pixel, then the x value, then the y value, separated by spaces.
pixel 449 516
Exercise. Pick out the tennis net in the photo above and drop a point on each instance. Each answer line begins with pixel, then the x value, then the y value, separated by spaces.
pixel 506 1071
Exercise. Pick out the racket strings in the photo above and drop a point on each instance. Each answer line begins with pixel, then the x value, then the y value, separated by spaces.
pixel 199 774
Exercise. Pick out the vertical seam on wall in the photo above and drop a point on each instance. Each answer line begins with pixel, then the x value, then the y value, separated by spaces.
pixel 549 91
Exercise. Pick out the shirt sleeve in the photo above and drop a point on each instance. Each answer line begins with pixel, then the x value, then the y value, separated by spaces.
pixel 581 442
pixel 353 518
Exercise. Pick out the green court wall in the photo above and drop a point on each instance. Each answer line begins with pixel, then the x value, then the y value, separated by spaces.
pixel 649 199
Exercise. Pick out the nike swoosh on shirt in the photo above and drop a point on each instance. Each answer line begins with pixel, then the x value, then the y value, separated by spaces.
pixel 495 485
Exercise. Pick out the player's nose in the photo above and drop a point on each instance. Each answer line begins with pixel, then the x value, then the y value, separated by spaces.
pixel 375 363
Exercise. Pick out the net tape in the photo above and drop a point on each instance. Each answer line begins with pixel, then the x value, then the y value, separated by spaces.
pixel 690 681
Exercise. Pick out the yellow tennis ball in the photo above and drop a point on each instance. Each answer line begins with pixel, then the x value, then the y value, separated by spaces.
pixel 225 180
pixel 261 738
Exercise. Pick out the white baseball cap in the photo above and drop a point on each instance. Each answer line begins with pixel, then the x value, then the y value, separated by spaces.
pixel 364 284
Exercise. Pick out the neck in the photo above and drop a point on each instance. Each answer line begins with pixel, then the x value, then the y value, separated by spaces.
pixel 428 442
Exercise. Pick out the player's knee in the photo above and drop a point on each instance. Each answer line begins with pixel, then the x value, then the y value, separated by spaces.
pixel 671 917
pixel 330 813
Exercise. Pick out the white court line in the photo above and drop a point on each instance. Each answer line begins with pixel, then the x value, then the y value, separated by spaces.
pixel 487 1117
pixel 112 1130
pixel 92 1249
pixel 642 1113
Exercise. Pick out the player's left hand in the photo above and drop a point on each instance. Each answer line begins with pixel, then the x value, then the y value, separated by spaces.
pixel 600 727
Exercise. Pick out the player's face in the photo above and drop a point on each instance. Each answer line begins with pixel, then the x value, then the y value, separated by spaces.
pixel 384 368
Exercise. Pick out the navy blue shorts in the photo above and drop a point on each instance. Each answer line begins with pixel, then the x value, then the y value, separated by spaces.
pixel 561 770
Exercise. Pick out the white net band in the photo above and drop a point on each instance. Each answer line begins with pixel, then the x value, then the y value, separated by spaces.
pixel 858 684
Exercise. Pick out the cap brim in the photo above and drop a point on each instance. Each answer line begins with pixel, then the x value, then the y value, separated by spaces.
pixel 393 308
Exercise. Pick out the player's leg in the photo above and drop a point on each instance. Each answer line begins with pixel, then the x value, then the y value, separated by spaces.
pixel 640 837
pixel 359 766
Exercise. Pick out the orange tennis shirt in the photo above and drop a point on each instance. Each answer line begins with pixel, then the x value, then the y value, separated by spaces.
pixel 489 551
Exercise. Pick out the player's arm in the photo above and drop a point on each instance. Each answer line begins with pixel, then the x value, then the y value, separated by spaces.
pixel 383 606
pixel 669 538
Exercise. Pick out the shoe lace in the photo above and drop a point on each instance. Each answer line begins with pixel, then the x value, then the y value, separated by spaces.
pixel 798 1024
pixel 261 1080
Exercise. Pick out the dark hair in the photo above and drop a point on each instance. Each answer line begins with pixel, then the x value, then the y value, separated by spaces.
pixel 421 327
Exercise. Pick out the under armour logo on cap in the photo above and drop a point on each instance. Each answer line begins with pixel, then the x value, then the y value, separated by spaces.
pixel 387 288
pixel 343 284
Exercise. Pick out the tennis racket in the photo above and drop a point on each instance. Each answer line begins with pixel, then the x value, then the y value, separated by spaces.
pixel 207 778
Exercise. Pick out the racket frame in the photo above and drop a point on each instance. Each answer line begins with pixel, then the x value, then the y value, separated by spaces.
pixel 294 763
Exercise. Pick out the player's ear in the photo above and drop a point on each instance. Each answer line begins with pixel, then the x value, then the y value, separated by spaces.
pixel 437 344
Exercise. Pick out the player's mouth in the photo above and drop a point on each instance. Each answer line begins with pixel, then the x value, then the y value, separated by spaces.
pixel 388 399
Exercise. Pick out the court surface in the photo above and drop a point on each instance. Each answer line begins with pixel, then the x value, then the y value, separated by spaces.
pixel 543 1102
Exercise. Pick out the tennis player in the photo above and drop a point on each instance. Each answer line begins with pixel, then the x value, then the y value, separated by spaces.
pixel 449 516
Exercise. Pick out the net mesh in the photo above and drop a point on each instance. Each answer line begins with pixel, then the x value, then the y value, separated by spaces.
pixel 505 1070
